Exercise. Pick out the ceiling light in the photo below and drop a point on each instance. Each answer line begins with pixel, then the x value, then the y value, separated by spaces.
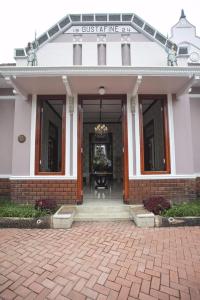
pixel 102 90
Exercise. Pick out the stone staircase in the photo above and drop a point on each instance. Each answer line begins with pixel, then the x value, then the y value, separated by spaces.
pixel 98 212
pixel 67 214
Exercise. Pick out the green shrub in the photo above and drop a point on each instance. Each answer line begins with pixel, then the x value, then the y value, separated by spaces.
pixel 9 209
pixel 189 209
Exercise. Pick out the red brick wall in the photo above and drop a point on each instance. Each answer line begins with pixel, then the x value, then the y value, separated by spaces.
pixel 173 189
pixel 198 186
pixel 4 187
pixel 63 191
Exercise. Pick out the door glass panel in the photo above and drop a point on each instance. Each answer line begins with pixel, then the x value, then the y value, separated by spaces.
pixel 51 136
pixel 153 135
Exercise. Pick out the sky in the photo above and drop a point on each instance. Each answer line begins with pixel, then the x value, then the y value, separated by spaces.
pixel 21 19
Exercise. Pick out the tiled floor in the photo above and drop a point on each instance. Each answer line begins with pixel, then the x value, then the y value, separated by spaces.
pixel 100 261
pixel 112 195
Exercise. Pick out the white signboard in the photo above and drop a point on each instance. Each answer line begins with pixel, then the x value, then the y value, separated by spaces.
pixel 100 29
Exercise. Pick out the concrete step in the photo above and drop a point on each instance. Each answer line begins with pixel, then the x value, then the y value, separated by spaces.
pixel 102 212
pixel 66 214
pixel 102 208
pixel 101 217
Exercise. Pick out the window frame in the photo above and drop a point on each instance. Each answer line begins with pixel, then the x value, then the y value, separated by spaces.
pixel 183 47
pixel 40 101
pixel 166 134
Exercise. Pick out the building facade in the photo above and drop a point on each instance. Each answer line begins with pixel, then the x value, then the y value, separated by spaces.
pixel 102 70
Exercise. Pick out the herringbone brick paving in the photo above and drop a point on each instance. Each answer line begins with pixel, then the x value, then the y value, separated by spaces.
pixel 105 260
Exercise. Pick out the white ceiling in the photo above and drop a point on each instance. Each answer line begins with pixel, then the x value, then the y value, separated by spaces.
pixel 90 84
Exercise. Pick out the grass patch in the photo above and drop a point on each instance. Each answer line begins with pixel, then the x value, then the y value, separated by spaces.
pixel 188 209
pixel 9 209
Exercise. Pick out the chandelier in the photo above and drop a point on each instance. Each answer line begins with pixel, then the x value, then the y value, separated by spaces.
pixel 101 129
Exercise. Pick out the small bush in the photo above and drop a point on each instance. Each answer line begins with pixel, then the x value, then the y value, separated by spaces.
pixel 156 204
pixel 188 209
pixel 9 209
pixel 46 204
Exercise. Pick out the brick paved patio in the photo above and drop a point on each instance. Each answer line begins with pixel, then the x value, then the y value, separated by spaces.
pixel 100 261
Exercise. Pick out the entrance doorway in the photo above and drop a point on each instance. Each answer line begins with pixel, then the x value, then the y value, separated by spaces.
pixel 102 149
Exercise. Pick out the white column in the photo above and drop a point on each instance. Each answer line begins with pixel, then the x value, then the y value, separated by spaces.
pixel 130 137
pixel 33 132
pixel 171 134
pixel 67 139
pixel 75 149
pixel 137 137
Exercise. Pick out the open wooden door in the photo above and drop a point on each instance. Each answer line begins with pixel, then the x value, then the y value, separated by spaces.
pixel 80 154
pixel 125 151
pixel 124 144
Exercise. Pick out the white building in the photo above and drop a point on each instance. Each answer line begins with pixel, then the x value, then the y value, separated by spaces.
pixel 111 70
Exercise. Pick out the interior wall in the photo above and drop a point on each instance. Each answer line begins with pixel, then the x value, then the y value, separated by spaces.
pixel 116 130
pixel 6 136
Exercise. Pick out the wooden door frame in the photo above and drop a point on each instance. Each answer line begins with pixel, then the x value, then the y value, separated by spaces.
pixel 123 98
pixel 163 98
pixel 40 101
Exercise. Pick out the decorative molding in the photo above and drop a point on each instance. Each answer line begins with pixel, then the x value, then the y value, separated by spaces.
pixel 110 20
pixel 18 90
pixel 160 177
pixel 194 95
pixel 137 85
pixel 136 177
pixel 134 92
pixel 50 177
pixel 7 98
pixel 100 70
pixel 185 89
pixel 71 104
pixel 67 85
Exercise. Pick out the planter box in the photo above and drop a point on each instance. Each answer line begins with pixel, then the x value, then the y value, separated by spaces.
pixel 42 222
pixel 64 217
pixel 142 217
pixel 176 221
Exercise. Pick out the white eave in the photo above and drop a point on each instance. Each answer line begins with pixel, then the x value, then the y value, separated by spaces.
pixel 99 71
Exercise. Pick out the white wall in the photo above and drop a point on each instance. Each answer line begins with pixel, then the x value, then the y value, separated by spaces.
pixel 89 54
pixel 55 54
pixel 143 53
pixel 113 53
pixel 148 54
pixel 22 125
pixel 183 135
pixel 7 109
